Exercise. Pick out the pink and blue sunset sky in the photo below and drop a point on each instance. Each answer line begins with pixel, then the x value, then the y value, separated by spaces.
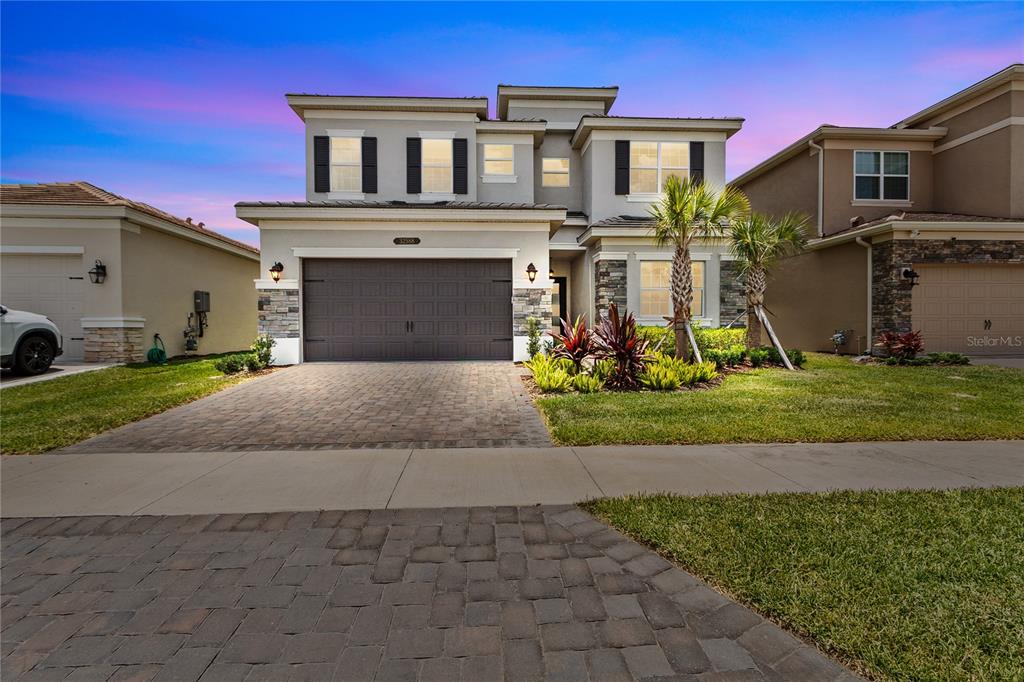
pixel 181 105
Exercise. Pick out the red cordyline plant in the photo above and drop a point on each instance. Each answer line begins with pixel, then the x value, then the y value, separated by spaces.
pixel 902 346
pixel 618 340
pixel 575 342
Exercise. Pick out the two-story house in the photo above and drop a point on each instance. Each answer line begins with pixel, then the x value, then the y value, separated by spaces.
pixel 916 226
pixel 431 231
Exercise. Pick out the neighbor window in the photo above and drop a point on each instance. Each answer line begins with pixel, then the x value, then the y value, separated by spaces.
pixel 437 166
pixel 346 160
pixel 882 175
pixel 655 287
pixel 498 159
pixel 555 172
pixel 652 163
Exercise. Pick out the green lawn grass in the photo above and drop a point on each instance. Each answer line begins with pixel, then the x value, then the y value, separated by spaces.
pixel 832 399
pixel 918 585
pixel 51 414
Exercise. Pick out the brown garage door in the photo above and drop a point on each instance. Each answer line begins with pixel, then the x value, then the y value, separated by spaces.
pixel 407 309
pixel 972 309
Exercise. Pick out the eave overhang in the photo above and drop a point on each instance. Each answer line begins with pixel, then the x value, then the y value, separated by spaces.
pixel 605 95
pixel 300 103
pixel 589 124
pixel 534 128
pixel 1014 230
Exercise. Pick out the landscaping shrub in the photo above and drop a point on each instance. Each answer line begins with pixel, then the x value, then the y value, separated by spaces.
pixel 532 337
pixel 659 339
pixel 553 379
pixel 758 356
pixel 576 344
pixel 721 338
pixel 796 356
pixel 602 369
pixel 253 363
pixel 586 383
pixel 231 364
pixel 949 359
pixel 619 342
pixel 728 357
pixel 261 352
pixel 905 346
pixel 696 373
pixel 658 377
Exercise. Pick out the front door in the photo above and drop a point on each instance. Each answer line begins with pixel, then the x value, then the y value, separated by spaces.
pixel 559 301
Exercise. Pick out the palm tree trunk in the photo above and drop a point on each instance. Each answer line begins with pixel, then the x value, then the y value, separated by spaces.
pixel 756 282
pixel 682 298
pixel 774 339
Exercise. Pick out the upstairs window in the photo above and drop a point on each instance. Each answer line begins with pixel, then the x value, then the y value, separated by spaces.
pixel 498 159
pixel 652 163
pixel 437 166
pixel 655 288
pixel 881 175
pixel 346 164
pixel 555 172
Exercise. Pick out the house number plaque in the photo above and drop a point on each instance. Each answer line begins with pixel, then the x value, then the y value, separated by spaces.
pixel 399 241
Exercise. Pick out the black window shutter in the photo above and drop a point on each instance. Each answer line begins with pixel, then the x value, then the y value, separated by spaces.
pixel 697 161
pixel 460 166
pixel 370 165
pixel 321 163
pixel 622 166
pixel 413 162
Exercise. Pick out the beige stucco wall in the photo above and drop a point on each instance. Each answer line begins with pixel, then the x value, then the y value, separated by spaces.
pixel 984 114
pixel 790 186
pixel 812 295
pixel 838 189
pixel 974 178
pixel 161 272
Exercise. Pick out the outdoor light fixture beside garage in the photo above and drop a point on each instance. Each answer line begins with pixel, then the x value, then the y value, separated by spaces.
pixel 531 272
pixel 912 275
pixel 98 272
pixel 275 271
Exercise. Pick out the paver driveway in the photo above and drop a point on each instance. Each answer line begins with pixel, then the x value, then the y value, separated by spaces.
pixel 347 405
pixel 476 594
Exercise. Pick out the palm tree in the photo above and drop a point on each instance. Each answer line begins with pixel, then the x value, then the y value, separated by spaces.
pixel 757 241
pixel 688 210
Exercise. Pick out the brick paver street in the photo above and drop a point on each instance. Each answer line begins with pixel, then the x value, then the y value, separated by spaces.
pixel 477 594
pixel 347 405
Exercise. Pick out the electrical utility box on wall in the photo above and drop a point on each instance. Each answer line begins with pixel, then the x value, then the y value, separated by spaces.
pixel 202 301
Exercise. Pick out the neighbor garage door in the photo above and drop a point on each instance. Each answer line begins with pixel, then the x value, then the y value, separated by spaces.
pixel 407 309
pixel 972 309
pixel 51 286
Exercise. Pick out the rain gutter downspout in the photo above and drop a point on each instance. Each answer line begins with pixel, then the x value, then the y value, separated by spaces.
pixel 821 183
pixel 867 245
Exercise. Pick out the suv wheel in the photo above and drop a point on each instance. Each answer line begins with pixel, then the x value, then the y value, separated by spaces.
pixel 34 355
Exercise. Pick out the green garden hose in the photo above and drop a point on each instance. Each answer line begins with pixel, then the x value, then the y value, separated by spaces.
pixel 157 355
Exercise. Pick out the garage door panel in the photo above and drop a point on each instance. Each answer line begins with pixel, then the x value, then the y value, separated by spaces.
pixel 51 285
pixel 456 309
pixel 954 303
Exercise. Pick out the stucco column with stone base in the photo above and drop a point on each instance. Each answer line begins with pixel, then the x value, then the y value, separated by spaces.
pixel 527 303
pixel 609 286
pixel 279 317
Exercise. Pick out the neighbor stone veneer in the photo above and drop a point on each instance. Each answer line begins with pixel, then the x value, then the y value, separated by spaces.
pixel 609 285
pixel 114 344
pixel 527 303
pixel 278 313
pixel 732 295
pixel 891 294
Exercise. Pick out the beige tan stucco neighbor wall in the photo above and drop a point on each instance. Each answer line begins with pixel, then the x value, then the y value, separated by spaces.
pixel 161 274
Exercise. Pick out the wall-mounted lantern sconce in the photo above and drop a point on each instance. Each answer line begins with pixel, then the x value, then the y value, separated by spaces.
pixel 275 271
pixel 531 272
pixel 551 273
pixel 98 273
pixel 912 275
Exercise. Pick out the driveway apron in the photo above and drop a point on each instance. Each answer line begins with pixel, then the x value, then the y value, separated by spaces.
pixel 347 405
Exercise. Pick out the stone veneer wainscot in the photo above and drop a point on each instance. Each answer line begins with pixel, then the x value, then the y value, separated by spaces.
pixel 527 303
pixel 609 285
pixel 278 313
pixel 732 293
pixel 114 344
pixel 891 293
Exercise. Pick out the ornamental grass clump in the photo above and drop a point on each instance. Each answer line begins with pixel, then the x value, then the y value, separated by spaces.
pixel 658 377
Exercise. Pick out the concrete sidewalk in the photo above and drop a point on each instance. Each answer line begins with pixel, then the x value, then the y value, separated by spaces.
pixel 268 481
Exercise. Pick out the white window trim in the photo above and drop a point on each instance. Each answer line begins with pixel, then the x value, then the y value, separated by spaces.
pixel 349 135
pixel 448 194
pixel 567 173
pixel 881 175
pixel 654 196
pixel 499 177
pixel 661 258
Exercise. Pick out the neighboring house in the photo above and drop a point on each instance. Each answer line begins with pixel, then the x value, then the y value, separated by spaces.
pixel 54 234
pixel 432 231
pixel 916 226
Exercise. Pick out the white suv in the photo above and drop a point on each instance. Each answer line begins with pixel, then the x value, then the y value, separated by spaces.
pixel 29 343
